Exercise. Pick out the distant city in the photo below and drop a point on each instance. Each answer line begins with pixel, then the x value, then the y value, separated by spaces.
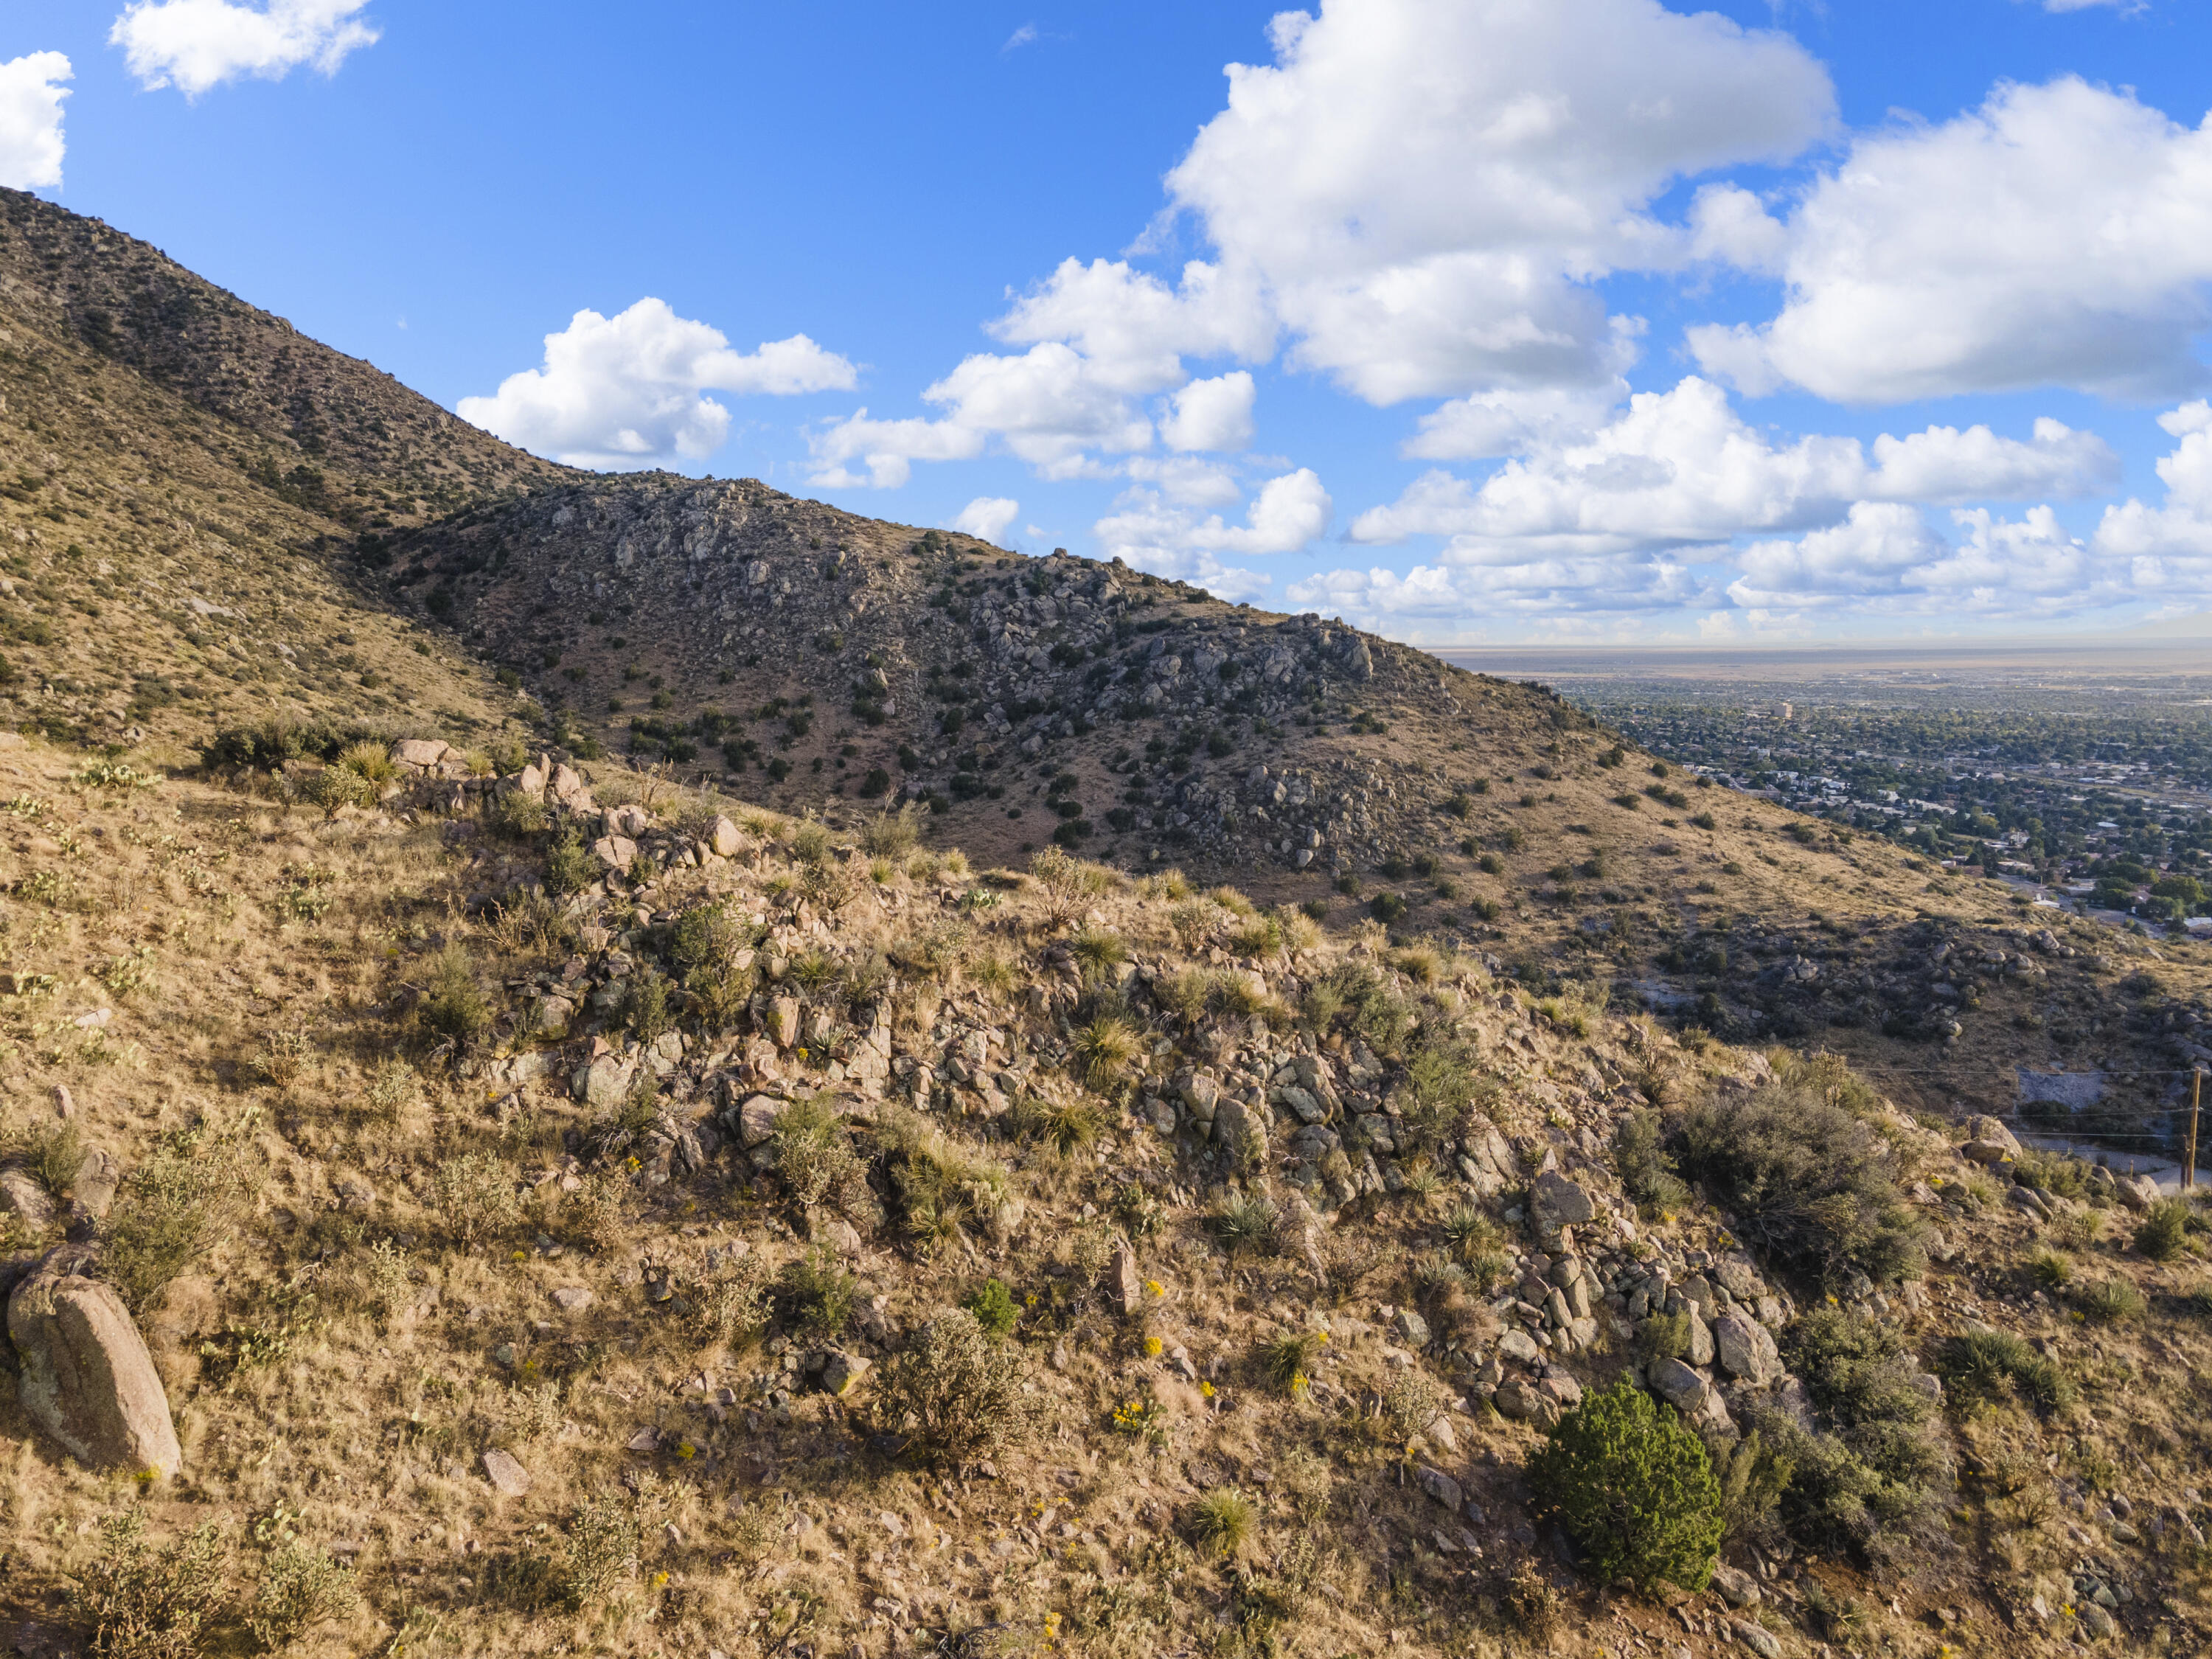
pixel 2086 775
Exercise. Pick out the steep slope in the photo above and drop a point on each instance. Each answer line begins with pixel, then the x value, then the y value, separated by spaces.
pixel 170 564
pixel 725 629
pixel 329 432
pixel 565 1251
pixel 181 565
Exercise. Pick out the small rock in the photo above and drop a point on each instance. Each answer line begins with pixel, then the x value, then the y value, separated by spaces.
pixel 841 1372
pixel 23 1197
pixel 1760 1640
pixel 65 1102
pixel 1678 1385
pixel 1413 1329
pixel 1125 1285
pixel 756 1119
pixel 1520 1346
pixel 783 1021
pixel 1440 1487
pixel 2096 1623
pixel 1737 1588
pixel 572 1298
pixel 1984 1128
pixel 508 1478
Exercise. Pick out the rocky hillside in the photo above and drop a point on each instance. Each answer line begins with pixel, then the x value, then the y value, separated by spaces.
pixel 564 1212
pixel 184 575
pixel 825 661
pixel 328 432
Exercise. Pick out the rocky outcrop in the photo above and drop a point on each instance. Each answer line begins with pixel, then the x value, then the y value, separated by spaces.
pixel 87 1378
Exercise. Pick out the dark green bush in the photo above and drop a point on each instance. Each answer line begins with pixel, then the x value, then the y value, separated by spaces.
pixel 1991 1367
pixel 954 1395
pixel 454 1006
pixel 1870 1480
pixel 1634 1487
pixel 818 1293
pixel 2164 1233
pixel 2109 1302
pixel 1646 1172
pixel 1808 1181
pixel 570 866
pixel 992 1304
pixel 148 1603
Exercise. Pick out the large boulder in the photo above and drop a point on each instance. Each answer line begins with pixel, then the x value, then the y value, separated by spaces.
pixel 419 753
pixel 1555 1202
pixel 1989 1128
pixel 1678 1386
pixel 24 1199
pixel 87 1378
pixel 1240 1133
pixel 1746 1350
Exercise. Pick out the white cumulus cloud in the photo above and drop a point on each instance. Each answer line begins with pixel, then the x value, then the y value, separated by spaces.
pixel 1441 603
pixel 1153 531
pixel 1215 414
pixel 1885 560
pixel 986 517
pixel 2058 236
pixel 1424 193
pixel 1681 467
pixel 196 44
pixel 2167 549
pixel 31 94
pixel 628 390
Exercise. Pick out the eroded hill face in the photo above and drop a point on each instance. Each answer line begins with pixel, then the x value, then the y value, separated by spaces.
pixel 174 579
pixel 715 1232
pixel 835 663
pixel 330 433
pixel 165 571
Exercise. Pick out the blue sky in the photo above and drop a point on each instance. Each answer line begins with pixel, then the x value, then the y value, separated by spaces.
pixel 1493 320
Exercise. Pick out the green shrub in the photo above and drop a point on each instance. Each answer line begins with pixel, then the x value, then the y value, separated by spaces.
pixel 1634 1487
pixel 992 1304
pixel 1646 1172
pixel 1993 1367
pixel 148 1603
pixel 1753 1478
pixel 953 1395
pixel 1064 1122
pixel 174 1207
pixel 941 1189
pixel 1103 1048
pixel 2164 1232
pixel 569 866
pixel 2109 1302
pixel 815 1158
pixel 454 1006
pixel 2052 1270
pixel 1871 1482
pixel 475 1193
pixel 1444 1083
pixel 1222 1522
pixel 1808 1180
pixel 1857 1371
pixel 1287 1361
pixel 600 1548
pixel 300 1588
pixel 1245 1221
pixel 819 1292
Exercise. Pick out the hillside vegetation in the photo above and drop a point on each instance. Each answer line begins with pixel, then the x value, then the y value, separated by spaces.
pixel 640 1065
pixel 794 1239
